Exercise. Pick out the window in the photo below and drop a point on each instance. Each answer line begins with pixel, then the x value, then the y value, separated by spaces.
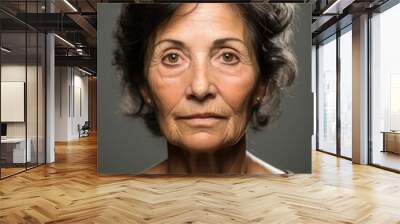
pixel 327 95
pixel 346 75
pixel 385 88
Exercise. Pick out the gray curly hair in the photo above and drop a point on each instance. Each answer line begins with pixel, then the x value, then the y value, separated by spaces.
pixel 269 28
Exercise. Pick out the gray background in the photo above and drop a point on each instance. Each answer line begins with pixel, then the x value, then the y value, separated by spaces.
pixel 126 146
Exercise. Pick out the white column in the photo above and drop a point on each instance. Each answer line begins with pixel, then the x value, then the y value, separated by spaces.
pixel 360 90
pixel 50 93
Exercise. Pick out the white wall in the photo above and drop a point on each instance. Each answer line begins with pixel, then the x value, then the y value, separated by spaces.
pixel 62 81
pixel 12 101
pixel 70 83
pixel 9 73
pixel 16 72
pixel 33 127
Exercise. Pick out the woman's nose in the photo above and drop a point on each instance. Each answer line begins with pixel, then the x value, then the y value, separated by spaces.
pixel 201 86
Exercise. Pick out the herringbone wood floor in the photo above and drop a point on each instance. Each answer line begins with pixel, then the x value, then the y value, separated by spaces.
pixel 70 191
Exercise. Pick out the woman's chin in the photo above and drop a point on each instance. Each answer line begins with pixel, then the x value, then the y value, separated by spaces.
pixel 202 142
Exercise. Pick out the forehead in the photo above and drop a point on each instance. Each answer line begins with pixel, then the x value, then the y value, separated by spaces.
pixel 205 21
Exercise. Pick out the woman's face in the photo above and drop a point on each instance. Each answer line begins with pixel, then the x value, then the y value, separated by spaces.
pixel 202 77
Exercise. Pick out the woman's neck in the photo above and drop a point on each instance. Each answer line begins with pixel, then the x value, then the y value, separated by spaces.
pixel 231 160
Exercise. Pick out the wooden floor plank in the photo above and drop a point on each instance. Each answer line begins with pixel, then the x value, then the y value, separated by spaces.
pixel 71 191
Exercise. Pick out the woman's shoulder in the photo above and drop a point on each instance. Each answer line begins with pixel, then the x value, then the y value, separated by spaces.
pixel 254 166
pixel 258 166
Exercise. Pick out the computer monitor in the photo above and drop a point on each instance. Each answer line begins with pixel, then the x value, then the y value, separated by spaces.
pixel 3 129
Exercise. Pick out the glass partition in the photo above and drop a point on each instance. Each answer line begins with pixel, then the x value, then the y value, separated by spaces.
pixel 385 89
pixel 41 91
pixel 14 153
pixel 22 101
pixel 346 93
pixel 327 95
pixel 31 100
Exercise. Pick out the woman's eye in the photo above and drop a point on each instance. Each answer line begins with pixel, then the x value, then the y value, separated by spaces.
pixel 171 59
pixel 229 58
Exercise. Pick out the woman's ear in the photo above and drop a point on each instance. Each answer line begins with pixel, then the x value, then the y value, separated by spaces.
pixel 261 89
pixel 144 91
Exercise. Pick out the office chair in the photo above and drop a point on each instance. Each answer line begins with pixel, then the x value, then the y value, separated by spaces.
pixel 84 130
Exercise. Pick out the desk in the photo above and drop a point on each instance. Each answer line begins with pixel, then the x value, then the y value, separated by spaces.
pixel 391 141
pixel 15 148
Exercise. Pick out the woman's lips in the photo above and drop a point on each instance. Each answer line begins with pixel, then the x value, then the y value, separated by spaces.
pixel 202 116
pixel 204 119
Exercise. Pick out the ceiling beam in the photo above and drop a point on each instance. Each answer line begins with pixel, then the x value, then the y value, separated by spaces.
pixel 337 7
pixel 86 27
pixel 83 61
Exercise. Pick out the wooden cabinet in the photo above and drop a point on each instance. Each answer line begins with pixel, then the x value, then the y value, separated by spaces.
pixel 391 142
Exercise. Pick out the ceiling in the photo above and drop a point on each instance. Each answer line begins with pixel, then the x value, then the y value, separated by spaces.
pixel 332 15
pixel 73 20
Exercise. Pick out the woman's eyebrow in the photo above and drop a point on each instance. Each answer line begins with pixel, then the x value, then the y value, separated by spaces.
pixel 220 42
pixel 216 43
pixel 172 41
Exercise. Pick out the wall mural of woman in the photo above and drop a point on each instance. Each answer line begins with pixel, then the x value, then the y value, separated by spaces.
pixel 200 74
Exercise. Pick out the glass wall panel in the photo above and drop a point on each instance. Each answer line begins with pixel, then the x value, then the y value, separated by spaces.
pixel 31 100
pixel 32 86
pixel 385 88
pixel 327 95
pixel 346 93
pixel 41 98
pixel 22 88
pixel 14 152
